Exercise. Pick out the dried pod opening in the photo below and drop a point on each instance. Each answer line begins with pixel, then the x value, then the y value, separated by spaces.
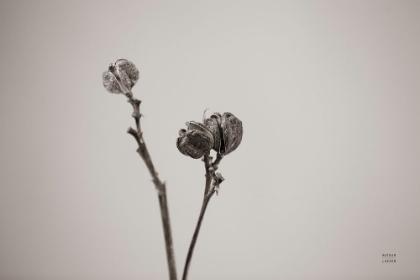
pixel 222 148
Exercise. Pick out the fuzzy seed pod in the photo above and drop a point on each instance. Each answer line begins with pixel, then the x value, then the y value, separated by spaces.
pixel 196 141
pixel 120 77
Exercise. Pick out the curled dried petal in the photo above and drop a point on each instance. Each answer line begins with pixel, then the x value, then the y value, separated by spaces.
pixel 110 82
pixel 232 132
pixel 213 124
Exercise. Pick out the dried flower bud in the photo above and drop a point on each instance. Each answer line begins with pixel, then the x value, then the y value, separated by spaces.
pixel 223 133
pixel 120 77
pixel 196 141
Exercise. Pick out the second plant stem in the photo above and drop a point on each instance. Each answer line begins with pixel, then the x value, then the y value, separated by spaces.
pixel 208 193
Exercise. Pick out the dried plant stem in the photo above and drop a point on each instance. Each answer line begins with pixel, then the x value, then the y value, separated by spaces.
pixel 160 187
pixel 208 193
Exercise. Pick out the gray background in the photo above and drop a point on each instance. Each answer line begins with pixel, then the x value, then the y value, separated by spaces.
pixel 325 181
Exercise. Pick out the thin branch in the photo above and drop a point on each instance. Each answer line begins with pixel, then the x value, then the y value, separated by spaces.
pixel 212 183
pixel 160 187
pixel 217 161
pixel 207 165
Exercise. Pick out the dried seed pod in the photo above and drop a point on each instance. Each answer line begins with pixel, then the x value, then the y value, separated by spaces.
pixel 223 133
pixel 227 131
pixel 195 141
pixel 232 132
pixel 120 77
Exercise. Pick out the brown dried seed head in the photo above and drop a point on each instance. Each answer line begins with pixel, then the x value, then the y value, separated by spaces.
pixel 227 131
pixel 122 73
pixel 223 133
pixel 129 69
pixel 196 141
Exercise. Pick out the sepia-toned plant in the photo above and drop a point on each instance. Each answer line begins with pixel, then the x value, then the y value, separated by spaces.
pixel 220 132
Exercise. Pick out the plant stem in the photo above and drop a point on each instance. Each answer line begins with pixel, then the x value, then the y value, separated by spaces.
pixel 207 196
pixel 164 212
pixel 160 187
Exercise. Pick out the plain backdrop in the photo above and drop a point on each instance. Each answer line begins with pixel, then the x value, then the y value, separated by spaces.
pixel 326 180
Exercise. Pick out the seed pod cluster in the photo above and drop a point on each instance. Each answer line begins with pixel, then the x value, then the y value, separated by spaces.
pixel 120 77
pixel 222 133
